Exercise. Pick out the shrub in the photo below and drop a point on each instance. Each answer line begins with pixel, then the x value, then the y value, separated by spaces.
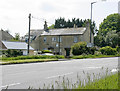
pixel 108 50
pixel 81 48
pixel 92 50
pixel 12 53
pixel 118 48
pixel 46 51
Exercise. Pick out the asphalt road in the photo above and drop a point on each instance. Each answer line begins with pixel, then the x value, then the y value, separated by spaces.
pixel 21 76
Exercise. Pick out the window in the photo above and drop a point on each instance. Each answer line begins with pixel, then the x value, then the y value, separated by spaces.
pixel 59 40
pixel 45 49
pixel 53 38
pixel 75 39
pixel 45 39
pixel 57 45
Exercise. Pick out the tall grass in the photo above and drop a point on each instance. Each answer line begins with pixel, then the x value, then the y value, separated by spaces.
pixel 92 81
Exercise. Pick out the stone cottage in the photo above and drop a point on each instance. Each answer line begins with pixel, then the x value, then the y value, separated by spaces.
pixel 60 40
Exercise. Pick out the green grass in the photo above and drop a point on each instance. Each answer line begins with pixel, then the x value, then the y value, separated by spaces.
pixel 4 62
pixel 92 56
pixel 109 82
pixel 33 57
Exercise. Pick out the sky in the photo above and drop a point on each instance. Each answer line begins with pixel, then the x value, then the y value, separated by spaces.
pixel 14 13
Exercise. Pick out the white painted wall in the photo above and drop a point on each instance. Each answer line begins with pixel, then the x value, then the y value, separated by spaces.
pixel 24 52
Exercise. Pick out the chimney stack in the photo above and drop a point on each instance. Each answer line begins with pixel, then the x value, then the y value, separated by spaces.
pixel 45 27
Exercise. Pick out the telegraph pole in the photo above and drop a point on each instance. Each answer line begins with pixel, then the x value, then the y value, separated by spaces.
pixel 29 34
pixel 59 44
pixel 91 23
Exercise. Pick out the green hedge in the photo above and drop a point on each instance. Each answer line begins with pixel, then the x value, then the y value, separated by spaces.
pixel 108 50
pixel 81 48
pixel 46 51
pixel 34 57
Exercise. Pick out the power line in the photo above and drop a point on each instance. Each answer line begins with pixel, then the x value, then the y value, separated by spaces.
pixel 41 19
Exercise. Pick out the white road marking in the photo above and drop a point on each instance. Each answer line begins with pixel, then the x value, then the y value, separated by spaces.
pixel 9 85
pixel 93 67
pixel 114 70
pixel 59 75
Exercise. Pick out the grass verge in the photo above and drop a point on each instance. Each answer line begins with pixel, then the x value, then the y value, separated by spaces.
pixel 34 57
pixel 92 56
pixel 5 62
pixel 109 82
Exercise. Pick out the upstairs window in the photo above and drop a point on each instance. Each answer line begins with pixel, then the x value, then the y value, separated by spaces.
pixel 54 39
pixel 45 39
pixel 75 39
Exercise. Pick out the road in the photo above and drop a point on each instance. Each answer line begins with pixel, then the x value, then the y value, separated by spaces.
pixel 21 76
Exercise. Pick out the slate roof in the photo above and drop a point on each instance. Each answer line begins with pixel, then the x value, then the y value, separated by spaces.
pixel 65 31
pixel 16 45
pixel 5 35
pixel 35 32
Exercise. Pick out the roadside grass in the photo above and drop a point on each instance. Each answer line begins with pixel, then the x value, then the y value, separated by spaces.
pixel 44 58
pixel 5 62
pixel 92 56
pixel 101 81
pixel 109 82
pixel 33 57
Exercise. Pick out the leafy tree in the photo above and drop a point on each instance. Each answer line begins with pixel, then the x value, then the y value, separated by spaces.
pixel 51 27
pixel 108 33
pixel 17 36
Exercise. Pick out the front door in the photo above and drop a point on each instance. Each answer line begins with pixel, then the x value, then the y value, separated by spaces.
pixel 67 52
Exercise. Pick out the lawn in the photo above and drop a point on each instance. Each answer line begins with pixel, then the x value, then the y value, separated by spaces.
pixel 92 56
pixel 26 61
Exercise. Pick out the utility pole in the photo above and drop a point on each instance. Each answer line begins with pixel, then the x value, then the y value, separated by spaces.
pixel 91 22
pixel 29 34
pixel 59 44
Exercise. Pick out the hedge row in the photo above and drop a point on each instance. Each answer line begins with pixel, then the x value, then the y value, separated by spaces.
pixel 33 57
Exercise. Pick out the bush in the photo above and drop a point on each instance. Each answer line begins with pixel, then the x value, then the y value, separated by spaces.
pixel 108 50
pixel 92 50
pixel 46 51
pixel 12 53
pixel 118 49
pixel 81 48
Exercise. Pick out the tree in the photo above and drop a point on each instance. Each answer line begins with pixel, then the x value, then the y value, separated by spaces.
pixel 108 32
pixel 17 36
pixel 51 27
pixel 62 23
